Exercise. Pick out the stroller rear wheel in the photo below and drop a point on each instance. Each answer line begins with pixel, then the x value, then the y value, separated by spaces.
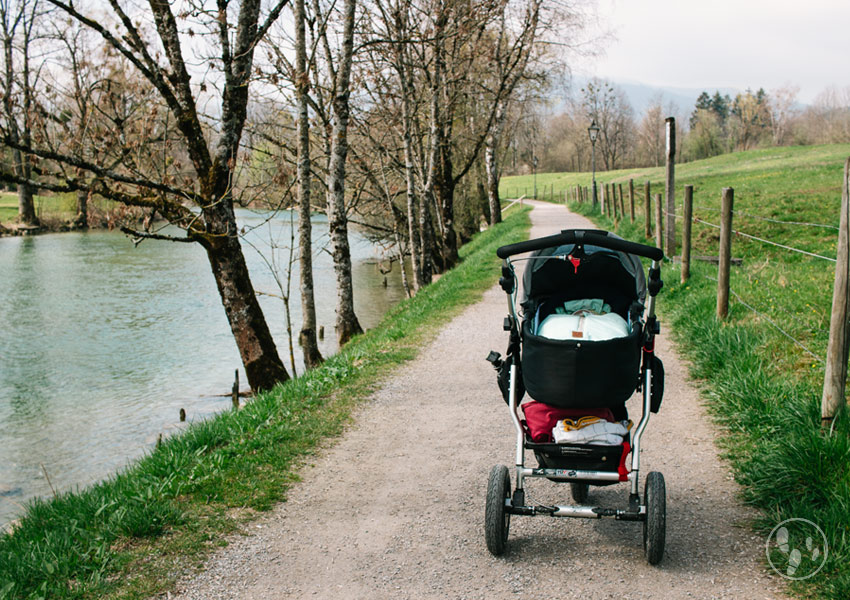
pixel 497 519
pixel 655 525
pixel 579 491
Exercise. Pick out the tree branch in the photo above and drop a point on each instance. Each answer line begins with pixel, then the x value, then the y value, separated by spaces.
pixel 138 236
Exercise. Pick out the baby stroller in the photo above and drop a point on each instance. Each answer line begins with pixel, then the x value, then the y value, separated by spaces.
pixel 579 373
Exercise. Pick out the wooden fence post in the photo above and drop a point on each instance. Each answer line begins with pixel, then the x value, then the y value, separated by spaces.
pixel 647 211
pixel 615 212
pixel 687 212
pixel 725 252
pixel 670 186
pixel 622 203
pixel 632 199
pixel 602 199
pixel 659 221
pixel 835 375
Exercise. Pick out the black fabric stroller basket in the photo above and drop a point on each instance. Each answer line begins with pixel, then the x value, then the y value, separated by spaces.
pixel 580 373
pixel 584 457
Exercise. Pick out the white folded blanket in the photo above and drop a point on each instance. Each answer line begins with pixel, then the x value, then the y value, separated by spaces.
pixel 583 326
pixel 589 430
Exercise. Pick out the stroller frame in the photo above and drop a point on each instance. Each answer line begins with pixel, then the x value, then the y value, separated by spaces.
pixel 651 509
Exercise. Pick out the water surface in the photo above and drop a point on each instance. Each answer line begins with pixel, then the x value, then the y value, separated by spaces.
pixel 102 343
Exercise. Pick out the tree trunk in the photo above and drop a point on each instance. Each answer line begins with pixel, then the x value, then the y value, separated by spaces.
pixel 492 184
pixel 26 206
pixel 441 176
pixel 426 237
pixel 491 164
pixel 307 338
pixel 256 346
pixel 446 196
pixel 347 325
pixel 412 225
pixel 81 221
pixel 414 237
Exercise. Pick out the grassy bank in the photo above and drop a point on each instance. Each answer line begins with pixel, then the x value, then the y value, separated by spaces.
pixel 60 207
pixel 57 211
pixel 131 536
pixel 762 370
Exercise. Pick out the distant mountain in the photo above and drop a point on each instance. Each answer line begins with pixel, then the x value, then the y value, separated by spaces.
pixel 640 94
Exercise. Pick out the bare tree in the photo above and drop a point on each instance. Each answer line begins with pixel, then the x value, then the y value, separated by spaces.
pixel 347 325
pixel 18 19
pixel 611 110
pixel 151 43
pixel 512 50
pixel 307 338
pixel 651 132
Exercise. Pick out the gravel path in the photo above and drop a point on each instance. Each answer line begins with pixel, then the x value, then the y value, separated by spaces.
pixel 395 509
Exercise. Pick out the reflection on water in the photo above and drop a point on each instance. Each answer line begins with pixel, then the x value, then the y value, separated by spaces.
pixel 102 343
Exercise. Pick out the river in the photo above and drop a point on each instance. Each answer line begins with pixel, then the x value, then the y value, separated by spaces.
pixel 102 343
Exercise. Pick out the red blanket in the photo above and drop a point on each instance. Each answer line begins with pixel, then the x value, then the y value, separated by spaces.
pixel 541 418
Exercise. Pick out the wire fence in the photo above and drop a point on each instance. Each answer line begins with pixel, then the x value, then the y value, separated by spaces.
pixel 764 241
pixel 768 219
pixel 776 326
pixel 749 304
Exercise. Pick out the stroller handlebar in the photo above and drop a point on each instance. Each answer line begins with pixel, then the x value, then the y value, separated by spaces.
pixel 581 236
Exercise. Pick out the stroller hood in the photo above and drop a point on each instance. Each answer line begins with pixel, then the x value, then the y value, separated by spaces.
pixel 537 278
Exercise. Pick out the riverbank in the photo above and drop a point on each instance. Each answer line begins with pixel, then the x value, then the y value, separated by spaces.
pixel 57 213
pixel 102 348
pixel 133 534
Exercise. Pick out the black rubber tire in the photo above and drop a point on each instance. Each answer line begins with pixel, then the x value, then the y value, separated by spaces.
pixel 579 491
pixel 655 525
pixel 497 520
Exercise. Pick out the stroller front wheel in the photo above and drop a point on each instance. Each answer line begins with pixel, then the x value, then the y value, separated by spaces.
pixel 497 519
pixel 655 525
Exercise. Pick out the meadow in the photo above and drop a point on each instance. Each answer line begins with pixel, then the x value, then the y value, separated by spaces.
pixel 761 370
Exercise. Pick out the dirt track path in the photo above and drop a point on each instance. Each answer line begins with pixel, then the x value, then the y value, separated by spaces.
pixel 395 509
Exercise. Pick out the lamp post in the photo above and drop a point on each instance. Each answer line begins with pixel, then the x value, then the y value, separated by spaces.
pixel 593 132
pixel 534 169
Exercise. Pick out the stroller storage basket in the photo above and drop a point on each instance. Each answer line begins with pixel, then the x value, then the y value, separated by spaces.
pixel 580 373
pixel 581 457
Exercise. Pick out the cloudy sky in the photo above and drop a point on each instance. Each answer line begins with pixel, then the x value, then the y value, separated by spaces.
pixel 710 44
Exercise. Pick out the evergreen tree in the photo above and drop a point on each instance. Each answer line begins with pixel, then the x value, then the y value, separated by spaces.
pixel 703 103
pixel 720 105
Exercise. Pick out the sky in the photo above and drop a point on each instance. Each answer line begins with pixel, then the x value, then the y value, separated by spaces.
pixel 716 44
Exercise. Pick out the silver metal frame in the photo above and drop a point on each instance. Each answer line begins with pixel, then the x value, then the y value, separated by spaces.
pixel 637 512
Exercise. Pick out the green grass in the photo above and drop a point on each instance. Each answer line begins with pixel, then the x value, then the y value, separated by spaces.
pixel 762 388
pixel 58 206
pixel 134 534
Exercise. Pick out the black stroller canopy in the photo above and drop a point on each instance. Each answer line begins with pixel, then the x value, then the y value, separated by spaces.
pixel 550 276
